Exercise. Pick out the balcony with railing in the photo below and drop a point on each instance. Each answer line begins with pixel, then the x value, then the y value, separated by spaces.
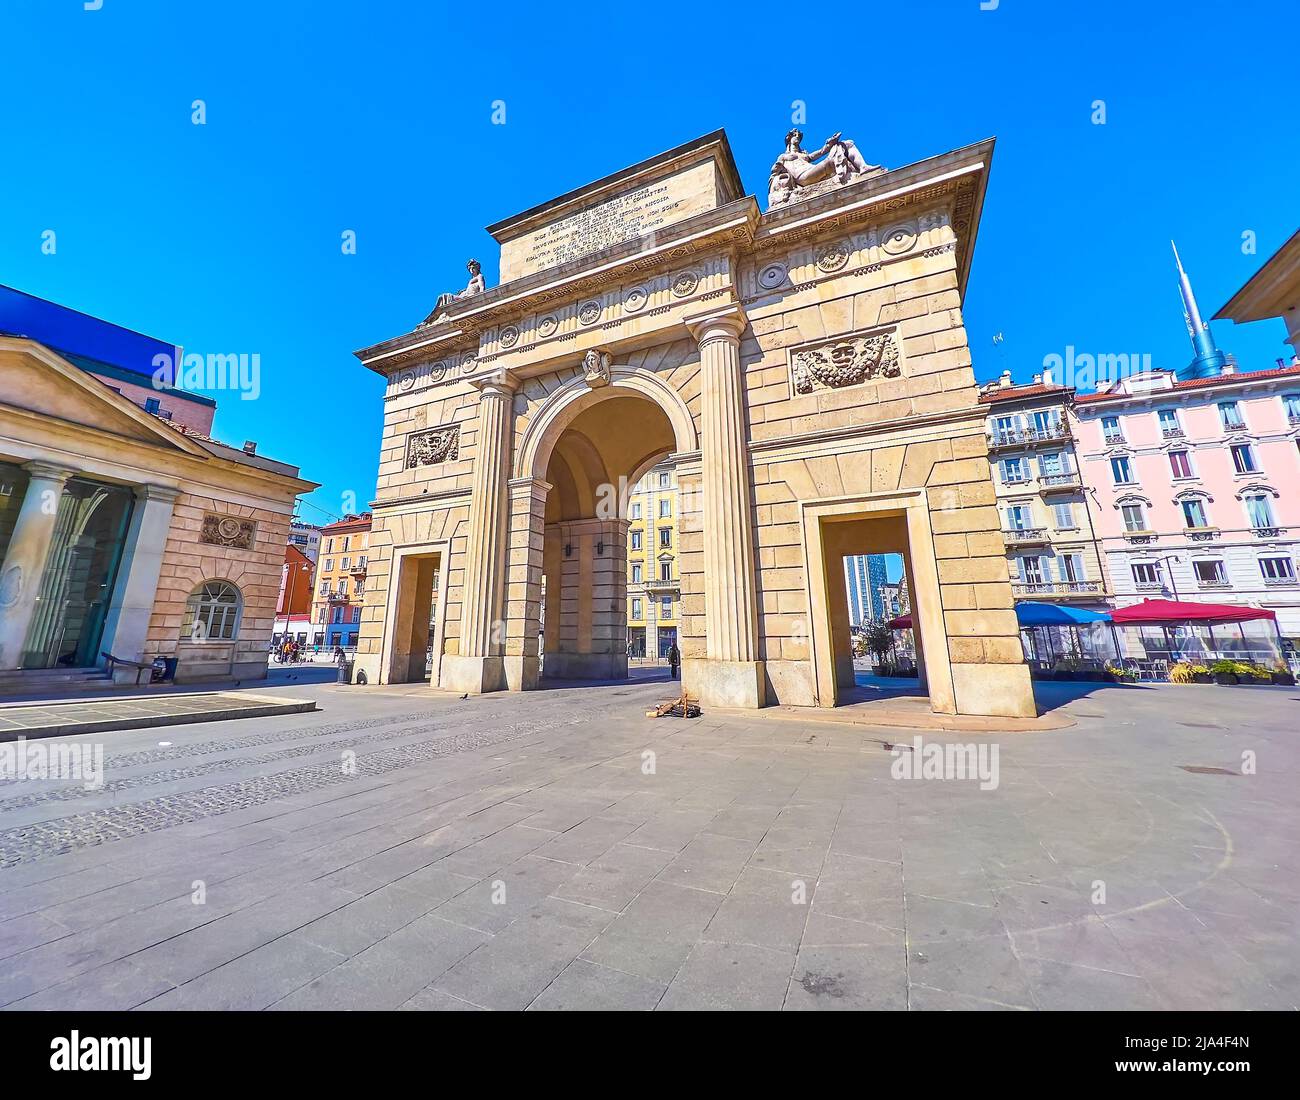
pixel 1281 582
pixel 1020 437
pixel 1049 589
pixel 1172 432
pixel 1027 536
pixel 1114 439
pixel 1293 419
pixel 1059 483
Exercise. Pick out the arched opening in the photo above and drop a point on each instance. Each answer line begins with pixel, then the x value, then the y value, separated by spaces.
pixel 608 440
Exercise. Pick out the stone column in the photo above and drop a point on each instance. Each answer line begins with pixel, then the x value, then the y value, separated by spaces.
pixel 731 674
pixel 24 564
pixel 126 627
pixel 480 664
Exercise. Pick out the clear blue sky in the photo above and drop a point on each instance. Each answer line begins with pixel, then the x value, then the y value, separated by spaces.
pixel 324 116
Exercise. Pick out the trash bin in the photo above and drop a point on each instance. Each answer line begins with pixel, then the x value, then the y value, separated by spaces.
pixel 345 672
pixel 164 670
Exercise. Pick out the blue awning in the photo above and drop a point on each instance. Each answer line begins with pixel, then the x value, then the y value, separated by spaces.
pixel 1055 614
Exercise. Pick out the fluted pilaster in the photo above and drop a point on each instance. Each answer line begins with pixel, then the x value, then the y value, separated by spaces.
pixel 481 613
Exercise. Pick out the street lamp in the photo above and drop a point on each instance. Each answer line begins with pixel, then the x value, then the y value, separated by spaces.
pixel 1172 583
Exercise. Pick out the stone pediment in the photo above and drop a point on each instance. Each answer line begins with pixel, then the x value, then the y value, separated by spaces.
pixel 39 381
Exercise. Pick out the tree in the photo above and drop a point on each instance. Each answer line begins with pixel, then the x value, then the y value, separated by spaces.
pixel 879 638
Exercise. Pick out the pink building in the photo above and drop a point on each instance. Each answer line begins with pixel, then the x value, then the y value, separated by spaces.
pixel 1193 486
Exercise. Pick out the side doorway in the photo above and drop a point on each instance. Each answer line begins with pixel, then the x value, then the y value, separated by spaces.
pixel 415 643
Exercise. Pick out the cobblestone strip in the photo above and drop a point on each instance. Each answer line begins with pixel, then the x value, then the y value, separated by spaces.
pixel 47 838
pixel 171 775
pixel 205 748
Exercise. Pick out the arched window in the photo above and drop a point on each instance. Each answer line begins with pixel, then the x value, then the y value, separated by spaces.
pixel 212 613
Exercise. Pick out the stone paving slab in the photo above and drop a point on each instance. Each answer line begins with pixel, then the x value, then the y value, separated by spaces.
pixel 524 852
pixel 101 715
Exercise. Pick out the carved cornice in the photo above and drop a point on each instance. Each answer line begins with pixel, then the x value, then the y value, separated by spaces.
pixel 703 234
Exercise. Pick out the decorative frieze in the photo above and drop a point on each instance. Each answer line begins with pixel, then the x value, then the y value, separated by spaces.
pixel 230 531
pixel 845 361
pixel 433 447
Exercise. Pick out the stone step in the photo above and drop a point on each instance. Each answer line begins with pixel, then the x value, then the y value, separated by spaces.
pixel 42 679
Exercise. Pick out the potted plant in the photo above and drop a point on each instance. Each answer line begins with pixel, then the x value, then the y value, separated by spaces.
pixel 1280 674
pixel 1201 674
pixel 1180 672
pixel 1224 672
pixel 1121 675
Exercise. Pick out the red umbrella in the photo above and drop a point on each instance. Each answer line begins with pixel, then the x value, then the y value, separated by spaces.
pixel 1182 611
pixel 903 622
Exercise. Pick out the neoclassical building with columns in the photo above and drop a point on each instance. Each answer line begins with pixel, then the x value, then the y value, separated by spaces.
pixel 126 532
pixel 803 367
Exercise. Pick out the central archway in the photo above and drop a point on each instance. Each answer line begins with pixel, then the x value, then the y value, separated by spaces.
pixel 589 448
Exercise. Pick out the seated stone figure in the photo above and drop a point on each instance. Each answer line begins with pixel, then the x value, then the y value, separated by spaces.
pixel 797 170
pixel 475 286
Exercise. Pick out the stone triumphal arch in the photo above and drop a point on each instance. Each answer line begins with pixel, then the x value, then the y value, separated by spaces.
pixel 805 369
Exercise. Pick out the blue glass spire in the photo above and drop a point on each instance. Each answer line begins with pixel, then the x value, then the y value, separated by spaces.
pixel 1207 359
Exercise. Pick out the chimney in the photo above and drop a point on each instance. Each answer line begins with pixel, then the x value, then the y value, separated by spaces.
pixel 250 448
pixel 1038 380
pixel 1004 381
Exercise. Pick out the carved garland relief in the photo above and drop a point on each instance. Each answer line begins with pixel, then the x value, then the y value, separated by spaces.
pixel 846 361
pixel 433 447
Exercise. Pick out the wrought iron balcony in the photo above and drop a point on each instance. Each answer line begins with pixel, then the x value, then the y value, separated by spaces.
pixel 1267 532
pixel 1140 535
pixel 1201 534
pixel 1151 586
pixel 1172 433
pixel 1115 439
pixel 1019 437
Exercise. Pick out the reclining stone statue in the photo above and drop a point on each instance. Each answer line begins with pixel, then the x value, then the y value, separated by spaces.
pixel 476 285
pixel 797 171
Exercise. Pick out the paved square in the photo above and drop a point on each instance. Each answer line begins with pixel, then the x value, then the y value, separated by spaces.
pixel 400 849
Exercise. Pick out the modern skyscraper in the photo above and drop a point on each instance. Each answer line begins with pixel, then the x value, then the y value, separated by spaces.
pixel 864 574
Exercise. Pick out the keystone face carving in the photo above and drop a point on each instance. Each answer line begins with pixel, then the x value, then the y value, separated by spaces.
pixel 595 366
